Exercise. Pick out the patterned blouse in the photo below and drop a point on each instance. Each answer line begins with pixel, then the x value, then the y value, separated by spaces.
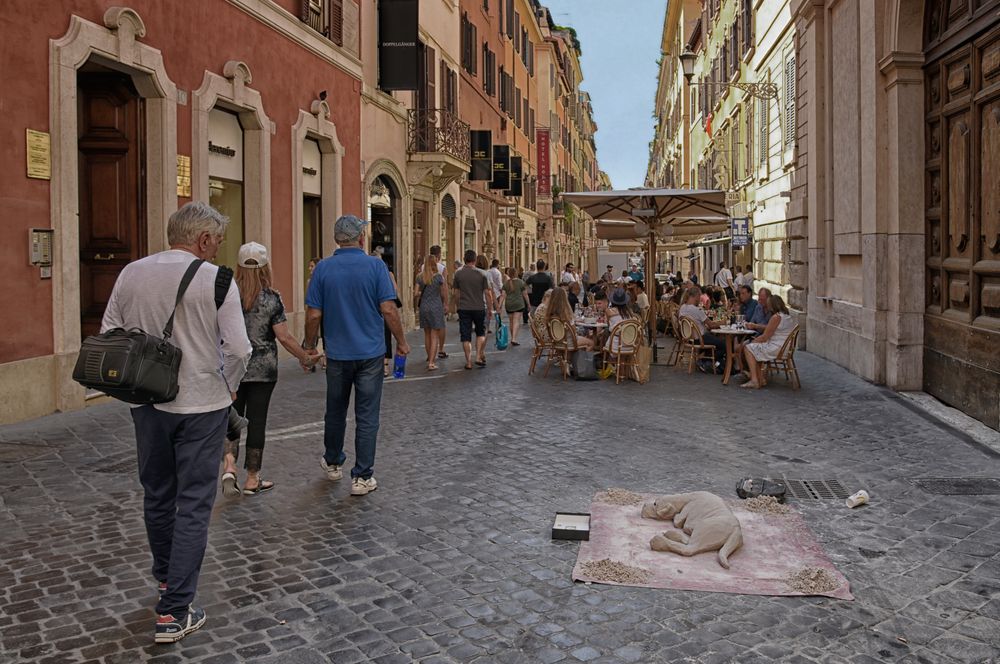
pixel 267 312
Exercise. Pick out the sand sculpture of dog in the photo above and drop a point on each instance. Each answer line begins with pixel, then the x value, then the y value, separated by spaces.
pixel 706 523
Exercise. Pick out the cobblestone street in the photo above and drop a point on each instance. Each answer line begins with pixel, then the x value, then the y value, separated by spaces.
pixel 451 559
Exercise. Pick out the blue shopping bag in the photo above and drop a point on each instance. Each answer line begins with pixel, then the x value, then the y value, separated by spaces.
pixel 503 334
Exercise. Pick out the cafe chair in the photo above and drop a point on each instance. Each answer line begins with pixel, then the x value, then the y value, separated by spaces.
pixel 677 352
pixel 562 346
pixel 785 361
pixel 542 346
pixel 626 336
pixel 695 346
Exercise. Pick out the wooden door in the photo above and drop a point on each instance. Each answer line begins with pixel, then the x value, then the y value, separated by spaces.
pixel 962 105
pixel 112 188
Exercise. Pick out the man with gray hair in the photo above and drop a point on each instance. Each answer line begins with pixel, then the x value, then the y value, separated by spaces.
pixel 180 442
pixel 352 294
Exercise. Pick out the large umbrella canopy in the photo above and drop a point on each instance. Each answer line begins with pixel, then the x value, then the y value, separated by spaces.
pixel 633 246
pixel 675 207
pixel 629 230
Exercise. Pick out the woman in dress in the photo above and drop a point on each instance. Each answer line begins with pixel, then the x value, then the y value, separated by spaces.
pixel 264 315
pixel 767 346
pixel 515 303
pixel 618 310
pixel 559 309
pixel 432 296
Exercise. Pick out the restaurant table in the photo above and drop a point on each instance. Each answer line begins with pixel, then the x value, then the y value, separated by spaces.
pixel 596 326
pixel 730 333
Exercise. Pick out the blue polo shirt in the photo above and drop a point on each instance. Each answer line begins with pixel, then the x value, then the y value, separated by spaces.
pixel 349 288
pixel 749 309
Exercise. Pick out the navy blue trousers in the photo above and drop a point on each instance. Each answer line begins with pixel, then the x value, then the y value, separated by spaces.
pixel 178 466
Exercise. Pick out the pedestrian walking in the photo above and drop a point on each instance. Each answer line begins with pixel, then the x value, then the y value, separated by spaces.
pixel 264 316
pixel 539 284
pixel 379 253
pixel 475 298
pixel 443 271
pixel 514 303
pixel 432 297
pixel 180 442
pixel 359 297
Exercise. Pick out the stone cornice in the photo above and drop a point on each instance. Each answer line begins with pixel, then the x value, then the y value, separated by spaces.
pixel 902 67
pixel 278 19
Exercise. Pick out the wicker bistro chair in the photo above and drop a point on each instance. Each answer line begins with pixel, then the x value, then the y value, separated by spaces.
pixel 628 334
pixel 541 345
pixel 786 360
pixel 563 346
pixel 677 352
pixel 695 346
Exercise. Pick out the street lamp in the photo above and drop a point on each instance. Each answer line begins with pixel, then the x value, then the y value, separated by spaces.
pixel 758 90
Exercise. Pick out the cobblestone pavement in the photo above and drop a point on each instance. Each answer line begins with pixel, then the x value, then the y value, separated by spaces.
pixel 451 560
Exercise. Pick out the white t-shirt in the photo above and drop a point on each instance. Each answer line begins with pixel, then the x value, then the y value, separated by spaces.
pixel 496 280
pixel 568 278
pixel 723 277
pixel 643 301
pixel 697 314
pixel 739 280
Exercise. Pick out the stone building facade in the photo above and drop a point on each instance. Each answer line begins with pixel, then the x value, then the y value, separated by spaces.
pixel 873 199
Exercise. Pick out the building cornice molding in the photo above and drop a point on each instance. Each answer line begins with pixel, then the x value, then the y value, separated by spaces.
pixel 278 19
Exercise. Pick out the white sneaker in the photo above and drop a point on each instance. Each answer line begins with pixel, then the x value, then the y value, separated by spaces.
pixel 333 473
pixel 360 487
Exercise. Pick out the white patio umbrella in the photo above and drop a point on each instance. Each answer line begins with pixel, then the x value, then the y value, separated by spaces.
pixel 653 214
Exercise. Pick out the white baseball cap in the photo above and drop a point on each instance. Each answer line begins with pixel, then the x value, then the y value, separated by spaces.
pixel 253 255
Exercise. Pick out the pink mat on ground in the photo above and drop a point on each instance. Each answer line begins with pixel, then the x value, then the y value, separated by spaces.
pixel 774 547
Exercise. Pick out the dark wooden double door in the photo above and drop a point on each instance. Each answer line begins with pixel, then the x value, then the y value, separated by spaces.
pixel 112 221
pixel 962 105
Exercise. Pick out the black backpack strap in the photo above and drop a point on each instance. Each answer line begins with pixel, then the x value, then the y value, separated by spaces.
pixel 168 329
pixel 223 279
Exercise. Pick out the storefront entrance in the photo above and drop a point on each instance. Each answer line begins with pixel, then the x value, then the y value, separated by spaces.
pixel 111 117
pixel 962 106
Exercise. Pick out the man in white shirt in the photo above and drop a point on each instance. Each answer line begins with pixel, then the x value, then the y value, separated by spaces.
pixel 495 279
pixel 738 279
pixel 724 280
pixel 691 310
pixel 568 275
pixel 180 442
pixel 748 277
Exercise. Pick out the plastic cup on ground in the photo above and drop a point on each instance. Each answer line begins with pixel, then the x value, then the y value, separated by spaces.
pixel 859 498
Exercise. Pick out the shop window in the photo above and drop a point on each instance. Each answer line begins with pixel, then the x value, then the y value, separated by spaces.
pixel 225 184
pixel 226 196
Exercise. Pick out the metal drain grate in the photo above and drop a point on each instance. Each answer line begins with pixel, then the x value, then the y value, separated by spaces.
pixel 816 489
pixel 959 486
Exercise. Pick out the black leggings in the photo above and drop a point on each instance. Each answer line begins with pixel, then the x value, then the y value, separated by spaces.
pixel 252 400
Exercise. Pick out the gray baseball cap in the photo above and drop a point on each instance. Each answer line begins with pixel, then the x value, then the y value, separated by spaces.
pixel 348 228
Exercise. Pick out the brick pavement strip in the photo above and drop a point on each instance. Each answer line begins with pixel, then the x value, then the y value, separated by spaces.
pixel 450 560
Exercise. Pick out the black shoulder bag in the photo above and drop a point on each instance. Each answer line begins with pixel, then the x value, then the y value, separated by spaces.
pixel 132 365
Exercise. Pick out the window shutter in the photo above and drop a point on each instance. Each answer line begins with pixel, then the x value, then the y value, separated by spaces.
pixel 337 21
pixel 473 54
pixel 790 101
pixel 763 129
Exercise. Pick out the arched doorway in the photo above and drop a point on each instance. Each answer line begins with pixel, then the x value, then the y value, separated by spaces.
pixel 962 205
pixel 383 212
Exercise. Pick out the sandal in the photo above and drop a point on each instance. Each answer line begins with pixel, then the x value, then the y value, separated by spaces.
pixel 468 367
pixel 432 367
pixel 750 385
pixel 480 363
pixel 229 486
pixel 442 355
pixel 262 487
pixel 514 343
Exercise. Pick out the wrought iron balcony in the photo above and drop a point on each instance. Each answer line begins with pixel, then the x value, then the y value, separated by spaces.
pixel 438 130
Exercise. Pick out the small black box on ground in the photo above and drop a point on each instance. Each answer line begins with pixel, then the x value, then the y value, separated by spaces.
pixel 571 526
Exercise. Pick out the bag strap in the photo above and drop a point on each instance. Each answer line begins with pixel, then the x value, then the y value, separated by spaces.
pixel 168 329
pixel 222 281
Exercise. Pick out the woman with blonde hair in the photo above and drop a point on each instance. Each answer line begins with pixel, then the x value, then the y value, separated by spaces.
pixel 767 346
pixel 264 315
pixel 559 309
pixel 432 297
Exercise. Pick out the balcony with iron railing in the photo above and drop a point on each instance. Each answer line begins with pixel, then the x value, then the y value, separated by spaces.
pixel 438 130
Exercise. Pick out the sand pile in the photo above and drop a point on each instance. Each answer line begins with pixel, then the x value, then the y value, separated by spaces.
pixel 811 580
pixel 765 505
pixel 615 572
pixel 619 497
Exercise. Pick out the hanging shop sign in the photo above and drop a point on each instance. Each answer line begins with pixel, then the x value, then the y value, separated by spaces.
pixel 544 171
pixel 516 178
pixel 398 57
pixel 481 141
pixel 740 231
pixel 501 167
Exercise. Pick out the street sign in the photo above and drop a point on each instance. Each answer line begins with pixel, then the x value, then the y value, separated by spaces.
pixel 740 231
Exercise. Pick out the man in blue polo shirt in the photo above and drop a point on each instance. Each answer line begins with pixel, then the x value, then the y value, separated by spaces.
pixel 352 294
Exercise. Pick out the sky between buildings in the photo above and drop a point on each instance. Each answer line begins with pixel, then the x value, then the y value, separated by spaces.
pixel 621 43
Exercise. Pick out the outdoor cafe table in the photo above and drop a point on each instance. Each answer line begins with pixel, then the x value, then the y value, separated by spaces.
pixel 730 333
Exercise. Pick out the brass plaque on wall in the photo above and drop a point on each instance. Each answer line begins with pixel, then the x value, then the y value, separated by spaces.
pixel 184 175
pixel 39 154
